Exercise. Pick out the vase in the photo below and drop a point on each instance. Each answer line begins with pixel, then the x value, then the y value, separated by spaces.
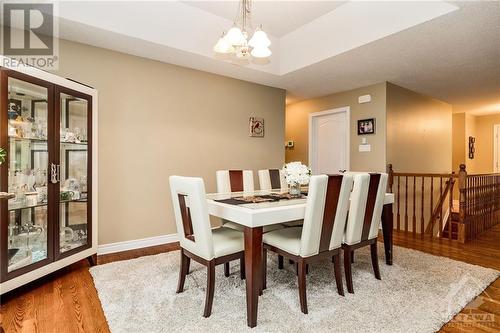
pixel 294 190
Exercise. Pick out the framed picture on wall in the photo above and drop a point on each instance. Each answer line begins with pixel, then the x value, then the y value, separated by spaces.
pixel 366 126
pixel 256 127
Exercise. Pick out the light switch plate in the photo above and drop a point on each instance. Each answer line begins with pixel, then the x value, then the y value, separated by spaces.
pixel 365 148
pixel 364 99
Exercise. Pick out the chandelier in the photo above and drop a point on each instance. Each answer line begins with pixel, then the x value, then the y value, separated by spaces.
pixel 235 41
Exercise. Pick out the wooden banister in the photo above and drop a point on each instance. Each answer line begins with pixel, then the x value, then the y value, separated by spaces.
pixel 438 210
pixel 418 212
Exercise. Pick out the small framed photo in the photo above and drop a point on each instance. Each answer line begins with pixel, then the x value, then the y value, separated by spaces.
pixel 366 126
pixel 256 127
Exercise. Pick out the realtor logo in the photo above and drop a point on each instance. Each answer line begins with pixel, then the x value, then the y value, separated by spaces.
pixel 28 31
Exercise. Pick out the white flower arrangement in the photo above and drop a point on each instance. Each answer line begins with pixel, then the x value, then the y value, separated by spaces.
pixel 296 173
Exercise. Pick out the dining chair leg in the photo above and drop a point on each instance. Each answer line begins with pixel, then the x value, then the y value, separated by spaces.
pixel 226 269
pixel 302 286
pixel 188 265
pixel 376 269
pixel 280 261
pixel 352 257
pixel 242 268
pixel 209 298
pixel 338 274
pixel 264 269
pixel 347 269
pixel 184 268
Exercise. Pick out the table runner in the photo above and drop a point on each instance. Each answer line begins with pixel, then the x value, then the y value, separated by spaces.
pixel 259 198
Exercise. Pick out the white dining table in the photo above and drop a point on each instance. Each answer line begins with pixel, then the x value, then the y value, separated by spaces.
pixel 254 216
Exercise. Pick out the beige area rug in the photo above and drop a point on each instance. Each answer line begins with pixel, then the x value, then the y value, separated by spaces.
pixel 419 293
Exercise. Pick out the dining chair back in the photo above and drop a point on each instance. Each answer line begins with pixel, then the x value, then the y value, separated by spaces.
pixel 365 212
pixel 191 215
pixel 234 181
pixel 326 212
pixel 365 215
pixel 321 234
pixel 271 179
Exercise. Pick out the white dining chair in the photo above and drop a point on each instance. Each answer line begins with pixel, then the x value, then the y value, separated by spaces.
pixel 198 241
pixel 322 232
pixel 365 215
pixel 270 179
pixel 234 181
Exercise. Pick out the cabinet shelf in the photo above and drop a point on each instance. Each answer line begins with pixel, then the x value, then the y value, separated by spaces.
pixel 15 206
pixel 79 145
pixel 21 139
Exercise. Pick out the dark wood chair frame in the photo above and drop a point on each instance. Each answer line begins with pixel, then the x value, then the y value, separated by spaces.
pixel 349 249
pixel 302 263
pixel 186 257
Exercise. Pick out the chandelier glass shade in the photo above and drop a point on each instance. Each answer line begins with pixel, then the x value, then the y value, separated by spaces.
pixel 235 41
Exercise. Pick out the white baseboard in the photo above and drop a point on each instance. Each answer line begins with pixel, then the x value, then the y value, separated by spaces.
pixel 136 244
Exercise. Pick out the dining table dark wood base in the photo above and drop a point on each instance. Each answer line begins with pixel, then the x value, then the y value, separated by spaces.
pixel 253 271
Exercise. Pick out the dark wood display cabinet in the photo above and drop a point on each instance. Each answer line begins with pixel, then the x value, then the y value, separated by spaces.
pixel 48 181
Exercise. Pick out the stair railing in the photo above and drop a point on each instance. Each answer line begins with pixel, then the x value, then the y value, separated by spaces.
pixel 439 212
pixel 479 202
pixel 420 201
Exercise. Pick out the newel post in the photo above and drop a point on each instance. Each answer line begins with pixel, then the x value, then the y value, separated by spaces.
pixel 390 180
pixel 462 185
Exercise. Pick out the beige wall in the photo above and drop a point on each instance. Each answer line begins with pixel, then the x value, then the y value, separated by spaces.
pixel 156 120
pixel 297 125
pixel 480 127
pixel 484 143
pixel 419 132
pixel 459 150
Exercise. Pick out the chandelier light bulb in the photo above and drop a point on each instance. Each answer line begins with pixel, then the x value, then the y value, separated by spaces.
pixel 261 52
pixel 235 36
pixel 259 40
pixel 223 46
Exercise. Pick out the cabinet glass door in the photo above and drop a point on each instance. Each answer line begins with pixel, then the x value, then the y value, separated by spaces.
pixel 74 198
pixel 27 146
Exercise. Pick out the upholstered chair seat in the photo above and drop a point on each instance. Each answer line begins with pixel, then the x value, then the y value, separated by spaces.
pixel 321 235
pixel 197 239
pixel 227 241
pixel 287 239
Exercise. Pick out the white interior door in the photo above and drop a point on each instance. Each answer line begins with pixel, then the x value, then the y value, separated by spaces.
pixel 329 141
pixel 496 148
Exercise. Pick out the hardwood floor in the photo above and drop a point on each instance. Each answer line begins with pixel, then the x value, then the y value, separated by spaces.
pixel 66 301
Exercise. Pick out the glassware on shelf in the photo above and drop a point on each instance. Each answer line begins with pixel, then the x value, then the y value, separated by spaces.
pixel 27 243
